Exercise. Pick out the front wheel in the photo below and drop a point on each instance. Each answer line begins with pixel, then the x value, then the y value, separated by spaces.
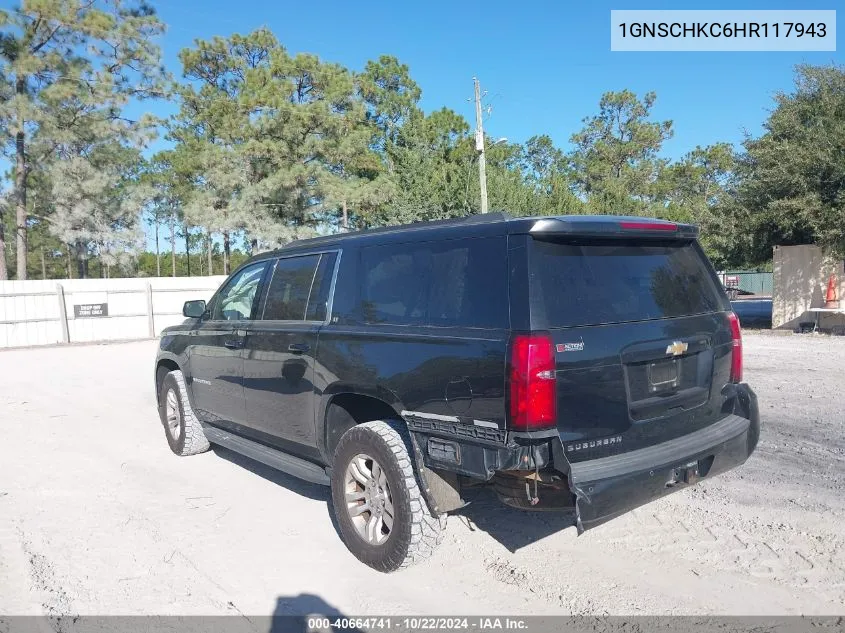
pixel 181 426
pixel 383 518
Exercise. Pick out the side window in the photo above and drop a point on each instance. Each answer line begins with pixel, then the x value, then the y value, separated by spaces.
pixel 290 287
pixel 318 303
pixel 234 301
pixel 452 283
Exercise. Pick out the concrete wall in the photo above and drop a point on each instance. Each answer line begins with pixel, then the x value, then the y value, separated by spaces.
pixel 800 282
pixel 31 311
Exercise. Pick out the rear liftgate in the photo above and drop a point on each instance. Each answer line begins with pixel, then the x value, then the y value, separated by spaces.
pixel 640 381
pixel 610 486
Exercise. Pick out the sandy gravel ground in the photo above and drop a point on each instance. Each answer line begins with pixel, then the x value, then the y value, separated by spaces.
pixel 98 517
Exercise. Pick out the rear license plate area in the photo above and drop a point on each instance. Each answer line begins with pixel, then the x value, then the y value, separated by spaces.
pixel 664 375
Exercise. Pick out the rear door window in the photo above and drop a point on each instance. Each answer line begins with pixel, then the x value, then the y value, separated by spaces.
pixel 450 283
pixel 319 299
pixel 290 285
pixel 605 281
pixel 299 288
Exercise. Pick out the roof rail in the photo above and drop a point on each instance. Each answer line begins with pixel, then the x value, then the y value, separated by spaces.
pixel 476 218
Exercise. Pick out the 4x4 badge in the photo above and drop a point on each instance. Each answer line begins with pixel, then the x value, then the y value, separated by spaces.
pixel 677 348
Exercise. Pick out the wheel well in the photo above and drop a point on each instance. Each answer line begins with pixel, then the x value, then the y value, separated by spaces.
pixel 164 367
pixel 350 409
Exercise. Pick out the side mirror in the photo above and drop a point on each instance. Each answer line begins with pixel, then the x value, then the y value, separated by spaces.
pixel 194 309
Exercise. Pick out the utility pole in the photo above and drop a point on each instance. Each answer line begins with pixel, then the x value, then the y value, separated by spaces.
pixel 479 146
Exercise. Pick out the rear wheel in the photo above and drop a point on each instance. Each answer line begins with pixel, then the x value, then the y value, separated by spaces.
pixel 383 518
pixel 181 426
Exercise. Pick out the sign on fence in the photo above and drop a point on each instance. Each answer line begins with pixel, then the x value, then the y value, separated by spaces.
pixel 45 312
pixel 89 310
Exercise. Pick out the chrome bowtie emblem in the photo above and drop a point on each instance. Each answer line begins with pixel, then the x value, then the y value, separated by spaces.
pixel 677 348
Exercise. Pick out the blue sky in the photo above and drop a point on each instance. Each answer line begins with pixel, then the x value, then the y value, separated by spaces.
pixel 544 64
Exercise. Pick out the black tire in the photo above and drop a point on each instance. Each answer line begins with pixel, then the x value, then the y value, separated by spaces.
pixel 184 435
pixel 415 531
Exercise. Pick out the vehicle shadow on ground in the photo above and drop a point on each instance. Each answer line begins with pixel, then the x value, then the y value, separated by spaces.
pixel 303 613
pixel 294 484
pixel 512 528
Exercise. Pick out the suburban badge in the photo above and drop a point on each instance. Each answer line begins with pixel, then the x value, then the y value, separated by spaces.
pixel 605 441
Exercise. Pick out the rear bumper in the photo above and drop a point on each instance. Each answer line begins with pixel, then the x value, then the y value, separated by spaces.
pixel 602 488
pixel 607 487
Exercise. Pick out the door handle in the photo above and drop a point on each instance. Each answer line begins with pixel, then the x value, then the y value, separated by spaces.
pixel 237 340
pixel 298 348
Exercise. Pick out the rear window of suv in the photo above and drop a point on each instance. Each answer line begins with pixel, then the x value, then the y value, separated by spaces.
pixel 592 282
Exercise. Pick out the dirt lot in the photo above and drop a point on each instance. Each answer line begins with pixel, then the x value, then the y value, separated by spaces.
pixel 98 517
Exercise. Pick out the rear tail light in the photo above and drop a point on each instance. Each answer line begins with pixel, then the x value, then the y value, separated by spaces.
pixel 532 382
pixel 736 350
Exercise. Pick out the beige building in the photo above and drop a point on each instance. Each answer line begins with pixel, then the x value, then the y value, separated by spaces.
pixel 801 275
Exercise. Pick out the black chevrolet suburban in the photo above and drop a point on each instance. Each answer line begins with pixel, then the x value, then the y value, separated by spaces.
pixel 577 363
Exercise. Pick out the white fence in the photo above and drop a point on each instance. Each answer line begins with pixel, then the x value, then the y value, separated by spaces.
pixel 80 310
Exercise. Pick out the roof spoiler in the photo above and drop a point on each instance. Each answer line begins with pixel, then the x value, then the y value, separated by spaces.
pixel 613 226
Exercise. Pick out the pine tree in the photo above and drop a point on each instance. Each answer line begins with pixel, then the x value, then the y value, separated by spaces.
pixel 60 60
pixel 615 160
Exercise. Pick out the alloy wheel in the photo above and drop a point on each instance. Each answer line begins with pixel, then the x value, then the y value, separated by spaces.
pixel 174 416
pixel 368 499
